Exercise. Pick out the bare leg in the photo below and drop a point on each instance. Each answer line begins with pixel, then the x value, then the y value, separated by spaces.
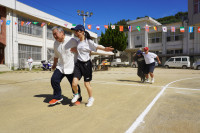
pixel 89 88
pixel 152 75
pixel 75 85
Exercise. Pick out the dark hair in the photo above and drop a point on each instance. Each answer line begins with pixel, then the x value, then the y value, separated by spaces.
pixel 87 36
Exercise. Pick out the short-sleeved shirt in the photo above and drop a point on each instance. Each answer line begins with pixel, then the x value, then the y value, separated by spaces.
pixel 149 58
pixel 84 48
pixel 66 58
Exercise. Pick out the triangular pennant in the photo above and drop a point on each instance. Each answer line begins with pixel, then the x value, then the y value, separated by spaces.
pixel 138 28
pixel 198 29
pixel 164 29
pixel 73 25
pixel 98 27
pixel 106 26
pixel 22 23
pixel 89 26
pixel 65 25
pixel 1 22
pixel 182 29
pixel 191 29
pixel 121 28
pixel 113 27
pixel 43 24
pixel 155 28
pixel 173 29
pixel 35 22
pixel 8 22
pixel 147 28
pixel 130 28
pixel 28 23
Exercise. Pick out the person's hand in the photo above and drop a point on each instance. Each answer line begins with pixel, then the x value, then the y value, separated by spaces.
pixel 53 67
pixel 159 62
pixel 74 50
pixel 109 48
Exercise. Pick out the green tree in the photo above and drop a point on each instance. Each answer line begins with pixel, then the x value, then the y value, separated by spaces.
pixel 115 38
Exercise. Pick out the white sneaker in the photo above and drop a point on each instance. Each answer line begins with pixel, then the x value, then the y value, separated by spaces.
pixel 75 98
pixel 90 102
pixel 152 80
pixel 147 80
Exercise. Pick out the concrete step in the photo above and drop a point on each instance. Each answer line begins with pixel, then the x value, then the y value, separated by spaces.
pixel 4 68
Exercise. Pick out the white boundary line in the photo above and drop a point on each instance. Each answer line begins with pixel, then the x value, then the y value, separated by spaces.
pixel 149 85
pixel 144 113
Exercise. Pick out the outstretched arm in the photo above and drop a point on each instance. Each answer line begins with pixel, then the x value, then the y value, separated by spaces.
pixel 158 60
pixel 105 48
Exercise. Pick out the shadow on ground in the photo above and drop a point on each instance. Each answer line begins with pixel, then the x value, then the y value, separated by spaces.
pixel 129 81
pixel 48 97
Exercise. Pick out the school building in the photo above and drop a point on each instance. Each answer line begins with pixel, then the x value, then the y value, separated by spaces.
pixel 19 41
pixel 167 44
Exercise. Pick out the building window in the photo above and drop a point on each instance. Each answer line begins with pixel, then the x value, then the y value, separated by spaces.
pixel 50 54
pixel 174 36
pixel 191 36
pixel 49 32
pixel 26 51
pixel 196 6
pixel 155 37
pixel 30 29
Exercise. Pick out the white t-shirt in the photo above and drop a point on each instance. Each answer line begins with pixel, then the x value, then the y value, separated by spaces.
pixel 30 60
pixel 149 58
pixel 66 58
pixel 84 47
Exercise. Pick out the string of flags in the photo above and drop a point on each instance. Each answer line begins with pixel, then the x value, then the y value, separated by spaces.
pixel 121 28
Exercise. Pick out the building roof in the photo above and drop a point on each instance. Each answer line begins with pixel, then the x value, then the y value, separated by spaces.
pixel 21 7
pixel 147 19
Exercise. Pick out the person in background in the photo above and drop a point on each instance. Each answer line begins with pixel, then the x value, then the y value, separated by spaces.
pixel 83 67
pixel 65 56
pixel 139 58
pixel 150 64
pixel 30 61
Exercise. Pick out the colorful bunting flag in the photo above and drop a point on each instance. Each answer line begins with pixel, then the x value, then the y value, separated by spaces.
pixel 147 28
pixel 155 28
pixel 182 29
pixel 191 29
pixel 22 23
pixel 65 25
pixel 89 26
pixel 42 24
pixel 28 23
pixel 164 28
pixel 73 25
pixel 48 23
pixel 173 29
pixel 35 22
pixel 121 28
pixel 130 28
pixel 138 28
pixel 15 23
pixel 98 27
pixel 106 26
pixel 113 27
pixel 8 22
pixel 198 29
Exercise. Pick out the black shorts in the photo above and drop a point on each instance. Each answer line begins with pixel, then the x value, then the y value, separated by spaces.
pixel 149 68
pixel 83 69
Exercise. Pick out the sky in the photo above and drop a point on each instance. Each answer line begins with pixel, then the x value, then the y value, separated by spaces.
pixel 108 11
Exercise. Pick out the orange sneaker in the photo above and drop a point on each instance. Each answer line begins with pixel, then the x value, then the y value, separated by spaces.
pixel 77 103
pixel 54 101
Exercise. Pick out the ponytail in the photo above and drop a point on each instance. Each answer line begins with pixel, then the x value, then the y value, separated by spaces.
pixel 87 36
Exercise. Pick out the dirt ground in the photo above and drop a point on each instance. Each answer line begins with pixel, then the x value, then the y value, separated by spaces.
pixel 120 102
